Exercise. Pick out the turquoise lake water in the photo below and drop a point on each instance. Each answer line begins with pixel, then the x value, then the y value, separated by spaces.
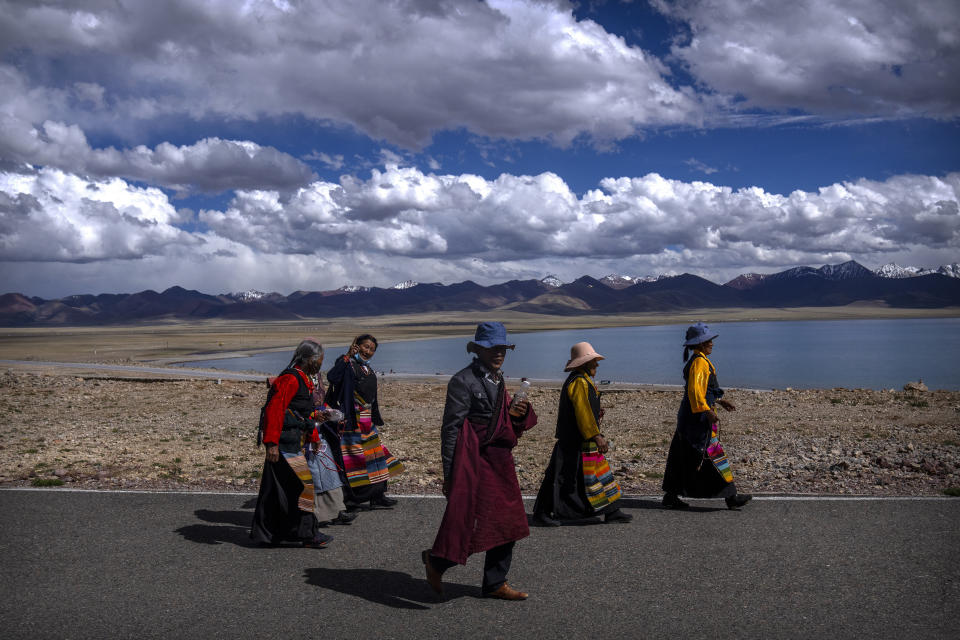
pixel 872 354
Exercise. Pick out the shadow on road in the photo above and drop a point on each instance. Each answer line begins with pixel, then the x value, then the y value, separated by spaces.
pixel 390 588
pixel 228 526
pixel 626 503
pixel 640 503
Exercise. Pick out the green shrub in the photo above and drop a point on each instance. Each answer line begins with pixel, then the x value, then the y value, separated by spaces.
pixel 952 491
pixel 47 482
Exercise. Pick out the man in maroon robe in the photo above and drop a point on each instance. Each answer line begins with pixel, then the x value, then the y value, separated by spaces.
pixel 481 426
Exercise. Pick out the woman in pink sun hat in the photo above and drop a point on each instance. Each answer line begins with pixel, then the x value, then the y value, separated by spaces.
pixel 578 485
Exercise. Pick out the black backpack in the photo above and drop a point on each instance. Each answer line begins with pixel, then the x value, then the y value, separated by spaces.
pixel 262 425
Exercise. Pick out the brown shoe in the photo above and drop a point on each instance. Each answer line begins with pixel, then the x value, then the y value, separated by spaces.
pixel 434 577
pixel 506 592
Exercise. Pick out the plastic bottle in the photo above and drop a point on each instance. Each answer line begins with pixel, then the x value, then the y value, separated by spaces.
pixel 333 415
pixel 521 393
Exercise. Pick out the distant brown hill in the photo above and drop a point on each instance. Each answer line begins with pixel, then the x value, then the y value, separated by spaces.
pixel 831 285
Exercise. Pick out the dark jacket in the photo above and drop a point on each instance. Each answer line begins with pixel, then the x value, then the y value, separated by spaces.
pixel 484 506
pixel 343 381
pixel 470 393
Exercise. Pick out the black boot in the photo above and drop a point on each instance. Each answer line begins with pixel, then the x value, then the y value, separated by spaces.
pixel 344 518
pixel 673 501
pixel 384 502
pixel 617 516
pixel 738 500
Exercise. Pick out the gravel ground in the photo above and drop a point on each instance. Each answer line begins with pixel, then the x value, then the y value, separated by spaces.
pixel 96 432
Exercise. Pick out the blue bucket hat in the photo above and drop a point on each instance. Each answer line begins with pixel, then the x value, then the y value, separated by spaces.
pixel 491 334
pixel 698 334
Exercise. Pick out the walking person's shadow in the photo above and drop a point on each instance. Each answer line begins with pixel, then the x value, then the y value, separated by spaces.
pixel 226 527
pixel 391 588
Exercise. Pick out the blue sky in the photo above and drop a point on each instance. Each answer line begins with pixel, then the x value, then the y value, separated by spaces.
pixel 225 146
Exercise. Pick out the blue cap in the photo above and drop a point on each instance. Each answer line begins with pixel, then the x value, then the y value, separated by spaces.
pixel 491 334
pixel 698 334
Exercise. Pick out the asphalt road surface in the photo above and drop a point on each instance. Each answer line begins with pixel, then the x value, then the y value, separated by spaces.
pixel 147 565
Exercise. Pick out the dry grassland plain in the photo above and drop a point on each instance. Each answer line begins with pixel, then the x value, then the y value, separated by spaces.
pixel 96 429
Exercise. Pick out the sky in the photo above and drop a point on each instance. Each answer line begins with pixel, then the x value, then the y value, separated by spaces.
pixel 230 145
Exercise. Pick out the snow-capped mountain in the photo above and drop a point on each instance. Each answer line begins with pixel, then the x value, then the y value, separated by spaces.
pixel 893 270
pixel 746 281
pixel 352 288
pixel 951 270
pixel 552 281
pixel 843 271
pixel 246 296
pixel 617 281
pixel 406 284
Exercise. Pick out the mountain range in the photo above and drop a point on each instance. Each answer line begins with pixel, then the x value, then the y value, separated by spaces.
pixel 827 286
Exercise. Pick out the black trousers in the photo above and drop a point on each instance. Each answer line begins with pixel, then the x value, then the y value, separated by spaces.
pixel 496 564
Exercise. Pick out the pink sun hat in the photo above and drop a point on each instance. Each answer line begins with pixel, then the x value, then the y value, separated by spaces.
pixel 580 354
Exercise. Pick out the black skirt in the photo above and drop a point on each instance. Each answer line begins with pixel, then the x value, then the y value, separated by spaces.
pixel 562 495
pixel 277 517
pixel 690 473
pixel 356 496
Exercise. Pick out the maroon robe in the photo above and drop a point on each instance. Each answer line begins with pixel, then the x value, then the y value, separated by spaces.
pixel 484 505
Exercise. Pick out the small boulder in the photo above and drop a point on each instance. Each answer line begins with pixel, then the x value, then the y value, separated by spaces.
pixel 915 386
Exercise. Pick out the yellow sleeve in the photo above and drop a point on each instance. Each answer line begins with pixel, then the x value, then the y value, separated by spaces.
pixel 579 393
pixel 697 379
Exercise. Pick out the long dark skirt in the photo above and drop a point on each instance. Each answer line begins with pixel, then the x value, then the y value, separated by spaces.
pixel 354 496
pixel 277 517
pixel 562 495
pixel 690 473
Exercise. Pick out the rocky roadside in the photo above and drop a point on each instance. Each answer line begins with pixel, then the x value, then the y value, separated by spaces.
pixel 97 432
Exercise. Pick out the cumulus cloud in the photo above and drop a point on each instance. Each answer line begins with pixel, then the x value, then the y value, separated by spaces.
pixel 830 57
pixel 403 223
pixel 50 216
pixel 398 70
pixel 210 164
pixel 402 211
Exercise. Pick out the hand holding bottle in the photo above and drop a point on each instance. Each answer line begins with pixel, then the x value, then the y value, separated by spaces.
pixel 519 405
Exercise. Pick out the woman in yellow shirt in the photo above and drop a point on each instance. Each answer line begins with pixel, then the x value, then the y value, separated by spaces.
pixel 696 464
pixel 578 485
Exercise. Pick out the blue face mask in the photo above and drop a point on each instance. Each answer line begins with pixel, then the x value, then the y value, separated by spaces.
pixel 357 357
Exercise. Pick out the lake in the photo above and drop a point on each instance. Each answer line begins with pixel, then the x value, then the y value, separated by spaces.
pixel 872 354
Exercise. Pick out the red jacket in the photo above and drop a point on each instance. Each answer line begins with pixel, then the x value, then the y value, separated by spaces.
pixel 285 387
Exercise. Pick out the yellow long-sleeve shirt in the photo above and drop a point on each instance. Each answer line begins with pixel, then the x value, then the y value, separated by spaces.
pixel 579 393
pixel 697 378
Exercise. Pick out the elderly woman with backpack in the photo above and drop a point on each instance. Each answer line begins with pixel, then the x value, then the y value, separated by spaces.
pixel 285 504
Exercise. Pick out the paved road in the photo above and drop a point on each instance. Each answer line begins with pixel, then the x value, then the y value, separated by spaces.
pixel 91 565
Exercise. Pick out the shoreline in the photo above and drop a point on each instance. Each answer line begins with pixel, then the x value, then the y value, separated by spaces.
pixel 185 341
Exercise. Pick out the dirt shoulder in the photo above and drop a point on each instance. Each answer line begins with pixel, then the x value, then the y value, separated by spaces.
pixel 93 431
